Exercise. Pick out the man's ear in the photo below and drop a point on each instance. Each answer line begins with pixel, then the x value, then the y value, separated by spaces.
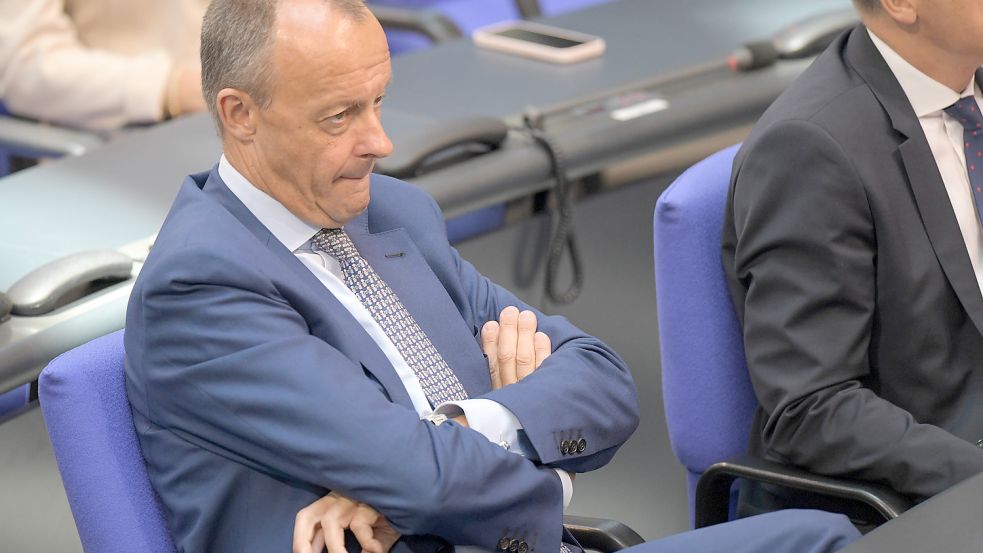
pixel 903 12
pixel 238 113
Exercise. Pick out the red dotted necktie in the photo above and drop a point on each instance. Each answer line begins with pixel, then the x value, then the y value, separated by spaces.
pixel 967 112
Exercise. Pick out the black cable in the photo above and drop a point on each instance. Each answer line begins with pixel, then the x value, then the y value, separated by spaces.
pixel 561 218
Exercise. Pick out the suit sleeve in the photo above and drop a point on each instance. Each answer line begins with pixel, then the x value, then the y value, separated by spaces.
pixel 806 256
pixel 580 405
pixel 232 367
pixel 47 73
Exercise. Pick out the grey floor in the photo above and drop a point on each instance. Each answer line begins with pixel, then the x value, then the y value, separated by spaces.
pixel 644 486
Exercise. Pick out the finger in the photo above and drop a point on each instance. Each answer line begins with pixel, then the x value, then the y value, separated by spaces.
pixel 333 523
pixel 544 347
pixel 525 353
pixel 305 528
pixel 317 544
pixel 489 344
pixel 362 526
pixel 508 333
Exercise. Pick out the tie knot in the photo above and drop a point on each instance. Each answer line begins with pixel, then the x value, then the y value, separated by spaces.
pixel 336 243
pixel 967 112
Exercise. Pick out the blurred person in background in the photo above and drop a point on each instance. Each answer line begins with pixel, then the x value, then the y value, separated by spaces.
pixel 100 65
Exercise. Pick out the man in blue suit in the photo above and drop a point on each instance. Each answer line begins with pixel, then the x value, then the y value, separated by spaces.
pixel 288 338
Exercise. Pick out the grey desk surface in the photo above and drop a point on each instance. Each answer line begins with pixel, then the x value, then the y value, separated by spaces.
pixel 948 522
pixel 644 38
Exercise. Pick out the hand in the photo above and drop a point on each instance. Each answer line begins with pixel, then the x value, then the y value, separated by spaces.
pixel 323 523
pixel 184 92
pixel 513 346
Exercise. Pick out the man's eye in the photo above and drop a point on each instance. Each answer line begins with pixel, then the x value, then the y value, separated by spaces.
pixel 339 117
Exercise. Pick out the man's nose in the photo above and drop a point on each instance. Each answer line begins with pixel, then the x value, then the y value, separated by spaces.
pixel 374 141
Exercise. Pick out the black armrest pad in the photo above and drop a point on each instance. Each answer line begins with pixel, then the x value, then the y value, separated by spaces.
pixel 713 488
pixel 601 534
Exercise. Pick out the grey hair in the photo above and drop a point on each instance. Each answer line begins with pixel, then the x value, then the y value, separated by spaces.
pixel 236 45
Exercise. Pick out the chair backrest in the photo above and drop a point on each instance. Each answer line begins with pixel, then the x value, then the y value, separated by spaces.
pixel 14 400
pixel 708 397
pixel 83 398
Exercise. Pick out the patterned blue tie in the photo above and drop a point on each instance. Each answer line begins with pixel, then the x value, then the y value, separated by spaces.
pixel 967 112
pixel 439 382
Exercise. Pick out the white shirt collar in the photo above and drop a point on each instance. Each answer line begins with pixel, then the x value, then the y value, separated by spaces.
pixel 927 96
pixel 290 230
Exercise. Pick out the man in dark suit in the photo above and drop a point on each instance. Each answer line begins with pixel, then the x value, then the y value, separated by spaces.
pixel 853 249
pixel 287 337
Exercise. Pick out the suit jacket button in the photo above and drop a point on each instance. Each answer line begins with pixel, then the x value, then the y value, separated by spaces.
pixel 513 546
pixel 979 443
pixel 581 445
pixel 523 547
pixel 564 447
pixel 503 544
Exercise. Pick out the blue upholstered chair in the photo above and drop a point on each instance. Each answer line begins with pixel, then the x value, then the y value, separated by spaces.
pixel 693 301
pixel 83 398
pixel 707 391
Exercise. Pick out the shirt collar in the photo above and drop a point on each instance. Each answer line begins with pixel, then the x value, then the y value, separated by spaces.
pixel 290 230
pixel 927 96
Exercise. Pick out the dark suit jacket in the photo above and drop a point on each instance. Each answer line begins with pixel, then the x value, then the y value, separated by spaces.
pixel 861 312
pixel 255 391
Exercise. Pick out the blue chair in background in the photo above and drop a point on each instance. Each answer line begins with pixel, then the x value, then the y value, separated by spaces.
pixel 709 400
pixel 14 400
pixel 83 399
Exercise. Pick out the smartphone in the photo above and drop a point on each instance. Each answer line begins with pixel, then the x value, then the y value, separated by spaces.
pixel 542 42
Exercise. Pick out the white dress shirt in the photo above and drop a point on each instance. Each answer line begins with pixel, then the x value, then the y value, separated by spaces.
pixel 493 420
pixel 929 98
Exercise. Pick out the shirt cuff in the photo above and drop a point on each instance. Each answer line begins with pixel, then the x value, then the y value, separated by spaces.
pixel 567 483
pixel 491 419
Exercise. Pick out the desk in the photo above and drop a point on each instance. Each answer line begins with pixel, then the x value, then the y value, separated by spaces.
pixel 949 522
pixel 118 195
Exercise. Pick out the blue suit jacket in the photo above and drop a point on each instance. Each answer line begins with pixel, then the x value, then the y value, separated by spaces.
pixel 255 391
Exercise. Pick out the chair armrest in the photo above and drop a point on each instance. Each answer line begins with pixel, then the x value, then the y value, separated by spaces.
pixel 713 489
pixel 31 139
pixel 601 534
pixel 430 23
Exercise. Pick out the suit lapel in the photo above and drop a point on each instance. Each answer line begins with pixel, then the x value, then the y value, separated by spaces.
pixel 923 174
pixel 401 265
pixel 356 344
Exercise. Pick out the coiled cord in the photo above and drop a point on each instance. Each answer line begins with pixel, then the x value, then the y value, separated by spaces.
pixel 561 218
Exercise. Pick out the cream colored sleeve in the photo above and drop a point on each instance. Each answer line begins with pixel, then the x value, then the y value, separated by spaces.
pixel 47 74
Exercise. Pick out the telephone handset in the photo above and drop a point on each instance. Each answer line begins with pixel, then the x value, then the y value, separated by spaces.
pixel 442 145
pixel 5 305
pixel 67 279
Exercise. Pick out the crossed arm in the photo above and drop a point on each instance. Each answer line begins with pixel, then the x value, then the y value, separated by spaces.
pixel 514 349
